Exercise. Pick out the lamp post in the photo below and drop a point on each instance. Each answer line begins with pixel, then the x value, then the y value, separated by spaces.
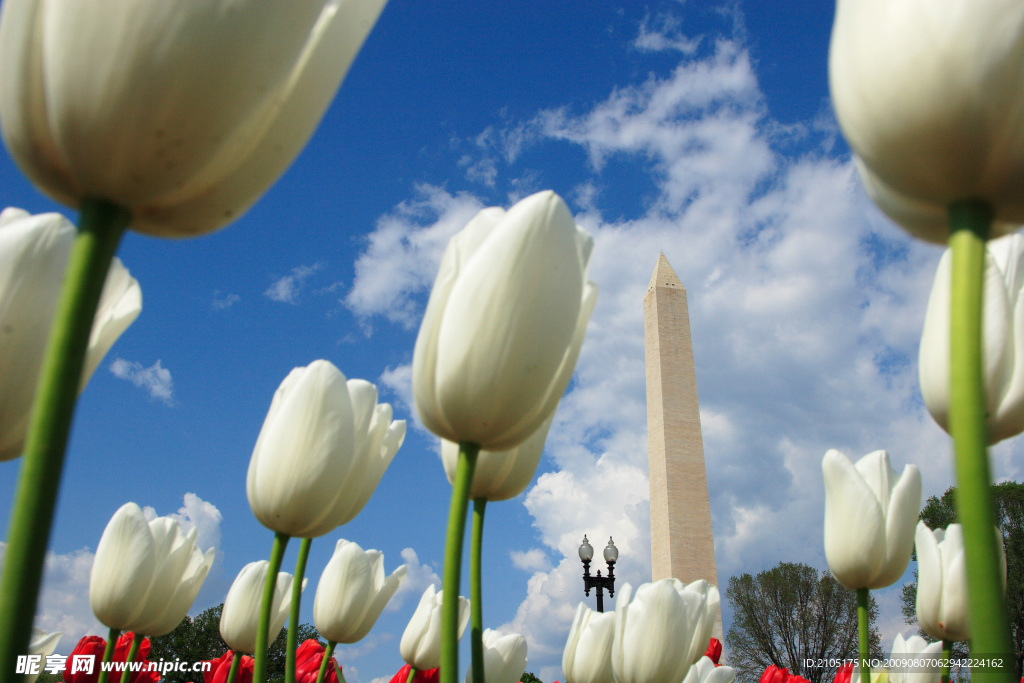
pixel 611 554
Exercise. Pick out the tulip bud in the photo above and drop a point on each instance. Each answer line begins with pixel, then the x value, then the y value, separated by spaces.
pixel 500 475
pixel 146 574
pixel 1002 340
pixel 352 593
pixel 183 113
pixel 662 629
pixel 323 448
pixel 929 97
pixel 942 581
pixel 870 513
pixel 34 252
pixel 504 657
pixel 587 657
pixel 240 616
pixel 504 324
pixel 421 641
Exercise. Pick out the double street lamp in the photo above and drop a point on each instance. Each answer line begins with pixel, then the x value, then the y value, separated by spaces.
pixel 611 554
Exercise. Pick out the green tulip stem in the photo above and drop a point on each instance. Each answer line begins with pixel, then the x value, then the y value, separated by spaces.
pixel 476 593
pixel 947 652
pixel 453 561
pixel 236 661
pixel 259 674
pixel 133 649
pixel 863 604
pixel 100 228
pixel 412 674
pixel 293 615
pixel 970 223
pixel 108 654
pixel 322 674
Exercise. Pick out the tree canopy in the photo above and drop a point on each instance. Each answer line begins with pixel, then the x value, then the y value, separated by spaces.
pixel 789 616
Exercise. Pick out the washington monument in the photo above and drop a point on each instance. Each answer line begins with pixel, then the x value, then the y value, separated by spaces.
pixel 682 545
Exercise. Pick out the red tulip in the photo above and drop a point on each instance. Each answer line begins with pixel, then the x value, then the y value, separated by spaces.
pixel 775 674
pixel 95 646
pixel 308 658
pixel 844 673
pixel 714 651
pixel 428 676
pixel 218 673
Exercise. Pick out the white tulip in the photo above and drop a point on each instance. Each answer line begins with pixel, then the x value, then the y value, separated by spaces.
pixel 870 513
pixel 240 616
pixel 323 448
pixel 500 475
pixel 929 95
pixel 705 671
pixel 504 657
pixel 662 630
pixel 587 657
pixel 42 644
pixel 923 659
pixel 34 252
pixel 421 641
pixel 942 581
pixel 1002 340
pixel 504 324
pixel 146 574
pixel 352 593
pixel 182 112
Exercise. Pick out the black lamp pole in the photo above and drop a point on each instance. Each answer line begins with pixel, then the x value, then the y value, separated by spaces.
pixel 611 554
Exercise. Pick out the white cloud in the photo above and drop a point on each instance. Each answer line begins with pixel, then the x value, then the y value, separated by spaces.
pixel 222 301
pixel 287 289
pixel 155 379
pixel 64 598
pixel 664 33
pixel 417 577
pixel 532 560
pixel 403 252
pixel 805 308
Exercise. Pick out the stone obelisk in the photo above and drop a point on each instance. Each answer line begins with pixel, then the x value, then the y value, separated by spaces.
pixel 682 545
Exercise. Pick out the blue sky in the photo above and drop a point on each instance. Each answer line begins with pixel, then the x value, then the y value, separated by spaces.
pixel 699 129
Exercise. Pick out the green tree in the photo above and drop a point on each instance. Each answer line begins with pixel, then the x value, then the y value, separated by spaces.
pixel 792 616
pixel 938 513
pixel 197 639
pixel 529 678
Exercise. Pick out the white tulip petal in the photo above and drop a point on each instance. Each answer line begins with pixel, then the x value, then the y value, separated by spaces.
pixel 304 452
pixel 929 579
pixel 114 100
pixel 123 568
pixel 904 505
pixel 506 281
pixel 650 625
pixel 421 642
pixel 927 96
pixel 855 552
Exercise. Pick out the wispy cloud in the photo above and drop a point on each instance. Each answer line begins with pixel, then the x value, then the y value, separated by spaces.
pixel 223 301
pixel 403 252
pixel 155 380
pixel 287 289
